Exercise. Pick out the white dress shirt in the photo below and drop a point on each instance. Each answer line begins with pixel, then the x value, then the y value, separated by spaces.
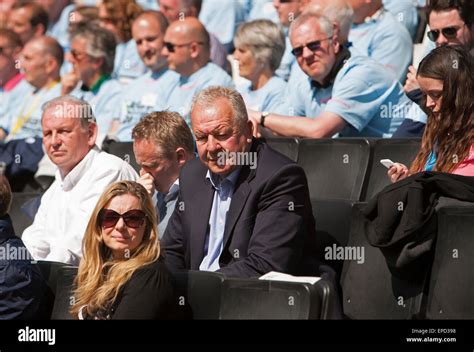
pixel 59 225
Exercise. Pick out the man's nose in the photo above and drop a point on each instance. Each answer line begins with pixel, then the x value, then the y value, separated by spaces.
pixel 55 139
pixel 213 144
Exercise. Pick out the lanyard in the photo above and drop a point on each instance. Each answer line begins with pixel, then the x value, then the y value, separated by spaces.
pixel 24 117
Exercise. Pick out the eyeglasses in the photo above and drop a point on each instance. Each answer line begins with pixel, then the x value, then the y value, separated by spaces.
pixel 132 218
pixel 171 47
pixel 78 56
pixel 313 46
pixel 448 33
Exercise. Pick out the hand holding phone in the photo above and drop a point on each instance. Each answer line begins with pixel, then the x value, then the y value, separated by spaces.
pixel 387 163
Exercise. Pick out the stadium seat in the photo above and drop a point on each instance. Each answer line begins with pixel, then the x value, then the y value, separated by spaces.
pixel 21 220
pixel 370 291
pixel 64 293
pixel 286 146
pixel 266 299
pixel 124 150
pixel 333 224
pixel 198 294
pixel 51 273
pixel 398 150
pixel 335 168
pixel 451 289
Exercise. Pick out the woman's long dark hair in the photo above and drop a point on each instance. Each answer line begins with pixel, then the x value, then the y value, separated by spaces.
pixel 453 130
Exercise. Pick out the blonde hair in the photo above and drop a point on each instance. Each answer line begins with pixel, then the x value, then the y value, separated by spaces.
pixel 100 277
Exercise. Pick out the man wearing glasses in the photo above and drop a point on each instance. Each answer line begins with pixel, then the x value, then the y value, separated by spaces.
pixel 451 23
pixel 187 51
pixel 92 56
pixel 347 95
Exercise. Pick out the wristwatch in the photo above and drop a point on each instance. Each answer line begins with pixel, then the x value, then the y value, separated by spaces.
pixel 262 118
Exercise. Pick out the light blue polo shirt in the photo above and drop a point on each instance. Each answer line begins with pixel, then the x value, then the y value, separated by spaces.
pixel 9 101
pixel 29 109
pixel 262 9
pixel 385 40
pixel 105 102
pixel 404 12
pixel 370 101
pixel 128 65
pixel 288 61
pixel 181 95
pixel 222 18
pixel 140 98
pixel 271 97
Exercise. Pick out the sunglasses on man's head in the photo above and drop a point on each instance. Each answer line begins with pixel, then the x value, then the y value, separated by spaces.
pixel 132 218
pixel 448 33
pixel 313 46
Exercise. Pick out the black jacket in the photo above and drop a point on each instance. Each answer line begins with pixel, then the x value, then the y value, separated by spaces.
pixel 269 225
pixel 22 287
pixel 401 220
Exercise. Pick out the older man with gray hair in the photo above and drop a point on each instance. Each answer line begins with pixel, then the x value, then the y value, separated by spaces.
pixel 84 171
pixel 243 208
pixel 92 56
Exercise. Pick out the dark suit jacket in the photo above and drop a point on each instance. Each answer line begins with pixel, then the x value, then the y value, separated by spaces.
pixel 269 225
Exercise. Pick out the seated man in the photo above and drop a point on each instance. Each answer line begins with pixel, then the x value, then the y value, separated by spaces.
pixel 162 144
pixel 188 53
pixel 377 34
pixel 243 209
pixel 349 95
pixel 92 57
pixel 450 23
pixel 69 137
pixel 22 287
pixel 140 96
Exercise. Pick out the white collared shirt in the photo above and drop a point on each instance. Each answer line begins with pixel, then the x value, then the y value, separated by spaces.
pixel 59 225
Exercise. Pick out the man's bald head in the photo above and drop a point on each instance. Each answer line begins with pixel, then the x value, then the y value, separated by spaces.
pixel 190 30
pixel 49 46
pixel 186 46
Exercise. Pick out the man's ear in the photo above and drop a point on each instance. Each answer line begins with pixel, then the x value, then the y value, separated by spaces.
pixel 92 136
pixel 98 63
pixel 181 156
pixel 336 44
pixel 195 49
pixel 39 30
pixel 51 64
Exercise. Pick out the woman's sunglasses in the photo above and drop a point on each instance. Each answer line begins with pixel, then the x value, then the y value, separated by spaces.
pixel 132 218
pixel 448 33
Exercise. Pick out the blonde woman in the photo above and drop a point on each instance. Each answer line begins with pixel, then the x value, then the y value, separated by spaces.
pixel 121 274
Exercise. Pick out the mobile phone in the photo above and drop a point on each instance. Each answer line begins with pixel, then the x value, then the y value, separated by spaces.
pixel 387 163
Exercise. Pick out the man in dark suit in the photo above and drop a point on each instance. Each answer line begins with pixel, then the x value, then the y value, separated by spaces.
pixel 243 208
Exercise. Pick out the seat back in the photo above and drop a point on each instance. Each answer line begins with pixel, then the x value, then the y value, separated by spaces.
pixel 286 146
pixel 335 168
pixel 370 291
pixel 452 283
pixel 267 299
pixel 64 299
pixel 198 294
pixel 398 150
pixel 51 273
pixel 20 219
pixel 124 150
